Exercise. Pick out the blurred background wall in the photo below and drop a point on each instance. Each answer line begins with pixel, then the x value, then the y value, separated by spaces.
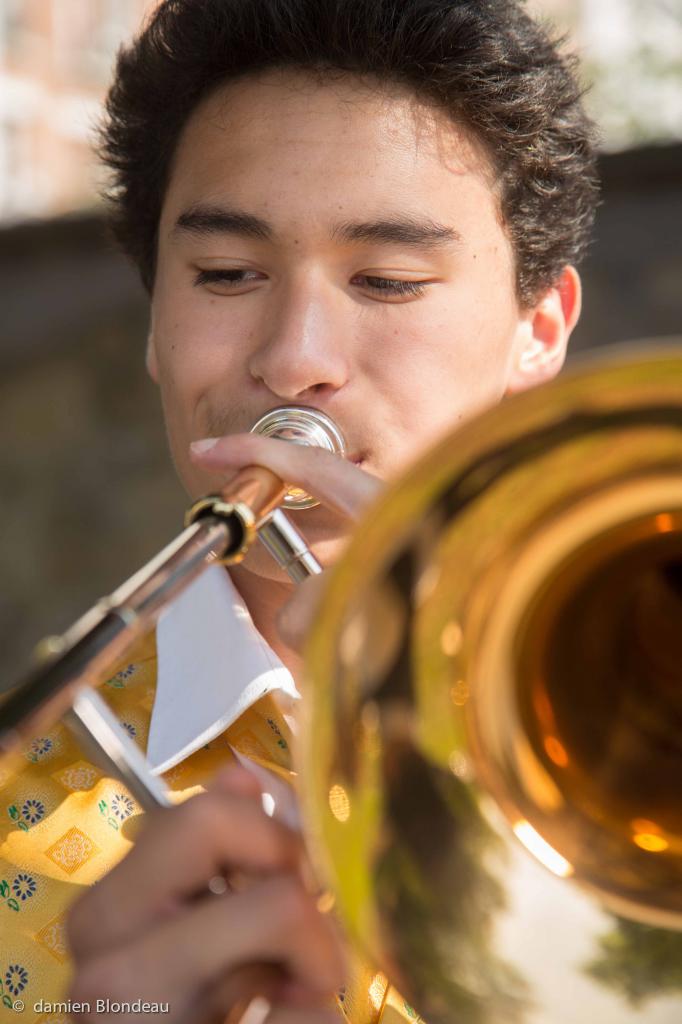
pixel 87 492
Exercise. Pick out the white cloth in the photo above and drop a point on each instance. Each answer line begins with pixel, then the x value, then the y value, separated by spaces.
pixel 212 665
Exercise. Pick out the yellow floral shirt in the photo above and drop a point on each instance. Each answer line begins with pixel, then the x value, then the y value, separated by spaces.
pixel 64 824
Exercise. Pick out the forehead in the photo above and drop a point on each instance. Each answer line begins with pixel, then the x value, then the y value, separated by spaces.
pixel 292 139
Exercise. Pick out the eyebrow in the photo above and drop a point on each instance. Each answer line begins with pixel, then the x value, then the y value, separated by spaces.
pixel 409 231
pixel 426 235
pixel 215 220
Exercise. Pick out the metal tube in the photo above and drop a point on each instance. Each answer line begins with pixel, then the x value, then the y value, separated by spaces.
pixel 108 630
pixel 224 527
pixel 93 721
pixel 82 655
pixel 289 549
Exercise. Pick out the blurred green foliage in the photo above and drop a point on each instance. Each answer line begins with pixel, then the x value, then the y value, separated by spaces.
pixel 639 961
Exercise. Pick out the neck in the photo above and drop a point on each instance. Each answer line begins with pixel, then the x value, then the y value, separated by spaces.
pixel 264 599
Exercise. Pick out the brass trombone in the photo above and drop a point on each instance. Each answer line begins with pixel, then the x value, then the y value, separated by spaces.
pixel 491 750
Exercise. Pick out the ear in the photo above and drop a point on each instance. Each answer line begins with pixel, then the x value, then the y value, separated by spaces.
pixel 542 338
pixel 151 361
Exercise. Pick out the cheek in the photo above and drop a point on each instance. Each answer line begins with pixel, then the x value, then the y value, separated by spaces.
pixel 440 366
pixel 201 362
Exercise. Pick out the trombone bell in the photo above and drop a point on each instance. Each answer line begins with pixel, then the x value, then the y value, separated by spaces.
pixel 491 753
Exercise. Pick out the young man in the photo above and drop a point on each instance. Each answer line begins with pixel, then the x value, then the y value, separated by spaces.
pixel 372 207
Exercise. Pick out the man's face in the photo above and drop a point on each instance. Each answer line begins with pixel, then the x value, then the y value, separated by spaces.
pixel 334 245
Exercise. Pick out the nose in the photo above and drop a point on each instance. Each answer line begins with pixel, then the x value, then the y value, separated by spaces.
pixel 302 351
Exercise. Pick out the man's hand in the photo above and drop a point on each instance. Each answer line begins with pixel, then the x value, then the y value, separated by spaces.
pixel 335 482
pixel 151 930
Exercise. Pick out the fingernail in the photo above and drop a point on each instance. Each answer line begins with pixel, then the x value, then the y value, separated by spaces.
pixel 204 445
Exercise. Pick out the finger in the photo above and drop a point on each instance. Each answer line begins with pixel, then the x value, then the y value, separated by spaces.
pixel 181 960
pixel 295 617
pixel 336 482
pixel 175 858
pixel 238 780
pixel 276 921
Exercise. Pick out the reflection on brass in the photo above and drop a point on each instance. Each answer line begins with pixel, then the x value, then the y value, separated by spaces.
pixel 639 963
pixel 528 711
pixel 541 850
pixel 451 639
pixel 339 803
pixel 325 903
pixel 459 692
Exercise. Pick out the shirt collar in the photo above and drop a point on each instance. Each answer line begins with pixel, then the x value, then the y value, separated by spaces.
pixel 212 665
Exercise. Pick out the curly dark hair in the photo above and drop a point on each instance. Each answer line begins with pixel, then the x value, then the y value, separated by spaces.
pixel 486 63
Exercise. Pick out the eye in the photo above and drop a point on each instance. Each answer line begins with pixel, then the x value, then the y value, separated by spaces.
pixel 392 288
pixel 227 279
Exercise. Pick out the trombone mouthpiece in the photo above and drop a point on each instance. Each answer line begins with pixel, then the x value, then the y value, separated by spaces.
pixel 301 425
